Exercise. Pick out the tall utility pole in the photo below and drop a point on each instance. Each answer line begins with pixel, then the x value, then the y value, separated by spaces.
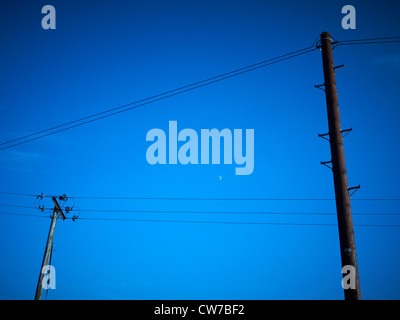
pixel 49 246
pixel 343 207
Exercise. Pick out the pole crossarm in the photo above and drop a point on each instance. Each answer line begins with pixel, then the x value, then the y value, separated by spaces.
pixel 57 208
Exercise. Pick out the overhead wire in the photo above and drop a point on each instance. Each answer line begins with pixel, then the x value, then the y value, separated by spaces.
pixel 158 97
pixel 206 222
pixel 227 199
pixel 23 215
pixel 372 42
pixel 367 41
pixel 18 194
pixel 186 88
pixel 195 198
pixel 199 221
pixel 236 222
pixel 229 212
pixel 18 206
pixel 370 39
pixel 71 209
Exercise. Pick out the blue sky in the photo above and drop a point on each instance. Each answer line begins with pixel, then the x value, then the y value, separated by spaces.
pixel 104 54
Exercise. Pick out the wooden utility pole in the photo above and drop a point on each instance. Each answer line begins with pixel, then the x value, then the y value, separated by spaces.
pixel 343 207
pixel 49 245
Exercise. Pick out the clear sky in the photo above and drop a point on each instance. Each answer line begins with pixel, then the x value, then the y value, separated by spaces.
pixel 104 54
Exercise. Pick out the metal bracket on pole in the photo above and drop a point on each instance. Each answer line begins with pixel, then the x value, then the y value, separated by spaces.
pixel 63 197
pixel 323 136
pixel 333 42
pixel 353 188
pixel 325 163
pixel 347 131
pixel 319 86
pixel 338 67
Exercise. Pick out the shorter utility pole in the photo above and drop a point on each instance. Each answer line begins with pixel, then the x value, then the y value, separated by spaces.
pixel 49 246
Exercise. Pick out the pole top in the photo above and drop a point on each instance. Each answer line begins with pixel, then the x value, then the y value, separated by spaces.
pixel 326 35
pixel 58 208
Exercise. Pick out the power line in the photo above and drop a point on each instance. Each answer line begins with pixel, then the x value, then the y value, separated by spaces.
pixel 18 206
pixel 186 88
pixel 206 222
pixel 199 198
pixel 210 222
pixel 202 199
pixel 195 198
pixel 228 212
pixel 235 222
pixel 161 96
pixel 19 194
pixel 199 212
pixel 372 42
pixel 369 39
pixel 22 215
pixel 229 199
